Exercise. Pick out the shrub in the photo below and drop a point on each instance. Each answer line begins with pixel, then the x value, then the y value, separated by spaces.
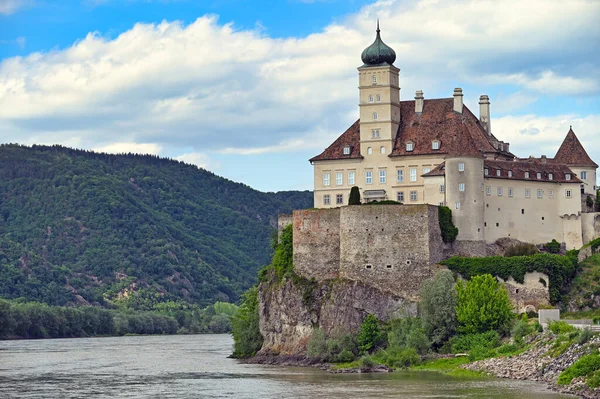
pixel 589 201
pixel 585 335
pixel 247 339
pixel 586 365
pixel 538 327
pixel 399 358
pixel 560 327
pixel 521 329
pixel 447 227
pixel 467 342
pixel 483 305
pixel 553 247
pixel 367 362
pixel 437 307
pixel 369 333
pixel 354 198
pixel 408 333
pixel 507 348
pixel 523 249
pixel 317 347
pixel 344 356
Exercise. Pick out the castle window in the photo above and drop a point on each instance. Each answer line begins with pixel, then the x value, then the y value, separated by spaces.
pixel 584 175
pixel 410 146
pixel 368 266
pixel 457 205
pixel 339 178
pixel 498 172
pixel 486 172
pixel 368 177
pixel 435 145
pixel 551 193
pixel 371 98
pixel 527 193
pixel 499 191
pixel 374 116
pixel 413 195
pixel 550 176
pixel 413 174
pixel 538 175
pixel 488 190
pixel 567 176
pixel 351 177
pixel 461 186
pixel 326 179
pixel 510 192
pixel 461 166
pixel 382 176
pixel 382 149
pixel 389 266
pixel 339 199
pixel 369 150
pixel 400 196
pixel 510 173
pixel 540 193
pixel 374 79
pixel 426 170
pixel 442 188
pixel 400 177
pixel 346 150
pixel 569 193
pixel 378 98
pixel 497 224
pixel 375 133
pixel 527 175
pixel 522 211
pixel 326 199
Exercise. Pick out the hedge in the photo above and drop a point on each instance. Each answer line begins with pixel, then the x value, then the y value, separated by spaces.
pixel 559 269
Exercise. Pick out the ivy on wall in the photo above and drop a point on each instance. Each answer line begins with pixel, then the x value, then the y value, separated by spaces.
pixel 449 230
pixel 559 269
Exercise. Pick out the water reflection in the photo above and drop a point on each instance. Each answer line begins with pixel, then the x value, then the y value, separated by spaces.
pixel 198 367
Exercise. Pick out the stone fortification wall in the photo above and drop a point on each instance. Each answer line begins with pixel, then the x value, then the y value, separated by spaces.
pixel 317 243
pixel 390 246
pixel 530 295
pixel 590 224
pixel 283 221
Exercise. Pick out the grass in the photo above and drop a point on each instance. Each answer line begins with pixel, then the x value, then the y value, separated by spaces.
pixel 448 366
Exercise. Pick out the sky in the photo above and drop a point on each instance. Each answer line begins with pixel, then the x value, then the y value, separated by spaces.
pixel 250 90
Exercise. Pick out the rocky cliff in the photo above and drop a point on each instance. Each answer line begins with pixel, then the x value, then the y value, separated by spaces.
pixel 291 309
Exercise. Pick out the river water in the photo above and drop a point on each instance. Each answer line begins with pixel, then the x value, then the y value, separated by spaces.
pixel 196 366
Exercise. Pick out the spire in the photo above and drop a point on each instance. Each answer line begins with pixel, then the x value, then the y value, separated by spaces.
pixel 378 26
pixel 378 53
pixel 572 153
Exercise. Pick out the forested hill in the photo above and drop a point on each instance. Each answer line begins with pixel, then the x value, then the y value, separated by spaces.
pixel 80 227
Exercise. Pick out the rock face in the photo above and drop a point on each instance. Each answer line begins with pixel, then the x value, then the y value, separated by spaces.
pixel 289 312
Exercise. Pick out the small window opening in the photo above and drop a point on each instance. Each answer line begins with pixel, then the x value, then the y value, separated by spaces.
pixel 368 266
pixel 497 224
pixel 389 266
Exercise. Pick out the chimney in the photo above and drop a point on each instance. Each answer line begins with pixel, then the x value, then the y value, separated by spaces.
pixel 419 101
pixel 544 159
pixel 484 113
pixel 458 100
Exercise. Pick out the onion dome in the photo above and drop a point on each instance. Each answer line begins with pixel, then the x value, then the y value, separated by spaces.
pixel 378 53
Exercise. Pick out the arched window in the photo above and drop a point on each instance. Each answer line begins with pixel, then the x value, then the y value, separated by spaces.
pixel 382 149
pixel 410 146
pixel 374 116
pixel 369 150
pixel 435 145
pixel 378 98
pixel 374 79
pixel 371 98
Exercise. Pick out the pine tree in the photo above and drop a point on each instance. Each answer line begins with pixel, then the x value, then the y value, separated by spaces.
pixel 354 198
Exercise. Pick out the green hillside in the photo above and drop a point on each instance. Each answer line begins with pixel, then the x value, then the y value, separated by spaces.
pixel 83 227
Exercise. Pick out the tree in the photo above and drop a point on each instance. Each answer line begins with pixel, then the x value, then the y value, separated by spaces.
pixel 483 305
pixel 438 307
pixel 247 339
pixel 6 319
pixel 354 198
pixel 369 333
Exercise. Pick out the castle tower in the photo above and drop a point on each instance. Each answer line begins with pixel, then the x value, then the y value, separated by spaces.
pixel 379 89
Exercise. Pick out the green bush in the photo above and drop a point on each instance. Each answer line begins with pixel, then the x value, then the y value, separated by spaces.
pixel 507 348
pixel 345 356
pixel 585 366
pixel 553 247
pixel 317 347
pixel 354 198
pixel 521 329
pixel 589 201
pixel 370 334
pixel 247 339
pixel 447 227
pixel 483 305
pixel 398 358
pixel 585 335
pixel 538 327
pixel 367 362
pixel 467 342
pixel 559 269
pixel 523 249
pixel 408 333
pixel 561 327
pixel 438 307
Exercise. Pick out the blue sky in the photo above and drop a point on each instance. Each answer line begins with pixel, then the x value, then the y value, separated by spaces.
pixel 252 89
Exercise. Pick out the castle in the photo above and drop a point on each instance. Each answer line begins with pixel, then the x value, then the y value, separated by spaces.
pixel 438 152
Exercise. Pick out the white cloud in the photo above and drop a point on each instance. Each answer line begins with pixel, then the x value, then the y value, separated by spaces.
pixel 134 148
pixel 209 87
pixel 8 7
pixel 199 159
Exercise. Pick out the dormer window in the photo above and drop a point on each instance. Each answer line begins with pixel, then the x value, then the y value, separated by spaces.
pixel 410 146
pixel 435 145
pixel 510 173
pixel 498 172
pixel 374 116
pixel 486 171
pixel 527 175
pixel 378 98
pixel 374 79
pixel 550 176
pixel 371 98
pixel 539 175
pixel 346 150
pixel 567 176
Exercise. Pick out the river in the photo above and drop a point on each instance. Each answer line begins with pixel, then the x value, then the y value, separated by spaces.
pixel 196 366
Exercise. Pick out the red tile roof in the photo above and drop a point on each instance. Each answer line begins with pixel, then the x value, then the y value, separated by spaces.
pixel 518 169
pixel 351 138
pixel 571 152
